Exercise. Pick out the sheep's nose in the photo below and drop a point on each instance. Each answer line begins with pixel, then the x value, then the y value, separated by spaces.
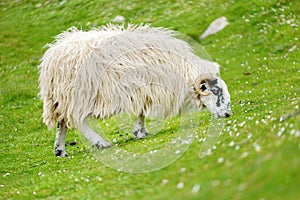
pixel 227 115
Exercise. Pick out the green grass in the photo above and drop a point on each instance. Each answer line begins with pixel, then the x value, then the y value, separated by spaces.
pixel 256 157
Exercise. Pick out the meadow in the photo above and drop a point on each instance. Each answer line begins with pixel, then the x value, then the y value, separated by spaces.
pixel 255 157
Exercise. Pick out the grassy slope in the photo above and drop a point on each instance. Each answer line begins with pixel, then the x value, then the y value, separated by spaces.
pixel 259 40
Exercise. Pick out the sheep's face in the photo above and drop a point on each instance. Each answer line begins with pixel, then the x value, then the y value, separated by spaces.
pixel 215 97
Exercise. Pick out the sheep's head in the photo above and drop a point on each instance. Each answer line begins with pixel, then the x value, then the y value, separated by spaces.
pixel 214 95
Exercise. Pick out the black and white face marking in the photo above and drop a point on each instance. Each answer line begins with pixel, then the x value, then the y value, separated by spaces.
pixel 216 90
pixel 218 100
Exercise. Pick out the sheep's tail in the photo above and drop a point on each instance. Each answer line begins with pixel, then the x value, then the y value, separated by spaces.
pixel 46 93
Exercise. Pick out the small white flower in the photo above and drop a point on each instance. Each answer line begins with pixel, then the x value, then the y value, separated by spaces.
pixel 244 154
pixel 196 188
pixel 183 169
pixel 119 19
pixel 164 181
pixel 220 160
pixel 180 185
pixel 256 147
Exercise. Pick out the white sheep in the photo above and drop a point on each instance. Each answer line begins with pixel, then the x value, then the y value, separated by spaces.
pixel 139 70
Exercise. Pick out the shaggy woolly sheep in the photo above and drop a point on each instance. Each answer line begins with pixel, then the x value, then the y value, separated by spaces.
pixel 137 70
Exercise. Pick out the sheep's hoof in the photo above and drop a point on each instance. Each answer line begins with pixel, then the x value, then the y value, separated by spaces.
pixel 140 134
pixel 101 144
pixel 60 153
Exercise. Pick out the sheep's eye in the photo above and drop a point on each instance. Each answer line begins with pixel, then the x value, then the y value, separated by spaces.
pixel 214 91
pixel 203 87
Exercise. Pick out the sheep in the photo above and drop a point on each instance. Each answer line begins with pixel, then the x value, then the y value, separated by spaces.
pixel 139 70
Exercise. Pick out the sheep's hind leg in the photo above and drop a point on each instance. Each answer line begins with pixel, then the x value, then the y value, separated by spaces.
pixel 92 136
pixel 139 129
pixel 60 139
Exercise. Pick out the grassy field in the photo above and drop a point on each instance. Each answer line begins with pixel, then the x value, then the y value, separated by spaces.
pixel 256 157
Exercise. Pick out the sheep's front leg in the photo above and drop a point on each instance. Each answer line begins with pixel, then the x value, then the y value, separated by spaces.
pixel 60 139
pixel 92 136
pixel 139 129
